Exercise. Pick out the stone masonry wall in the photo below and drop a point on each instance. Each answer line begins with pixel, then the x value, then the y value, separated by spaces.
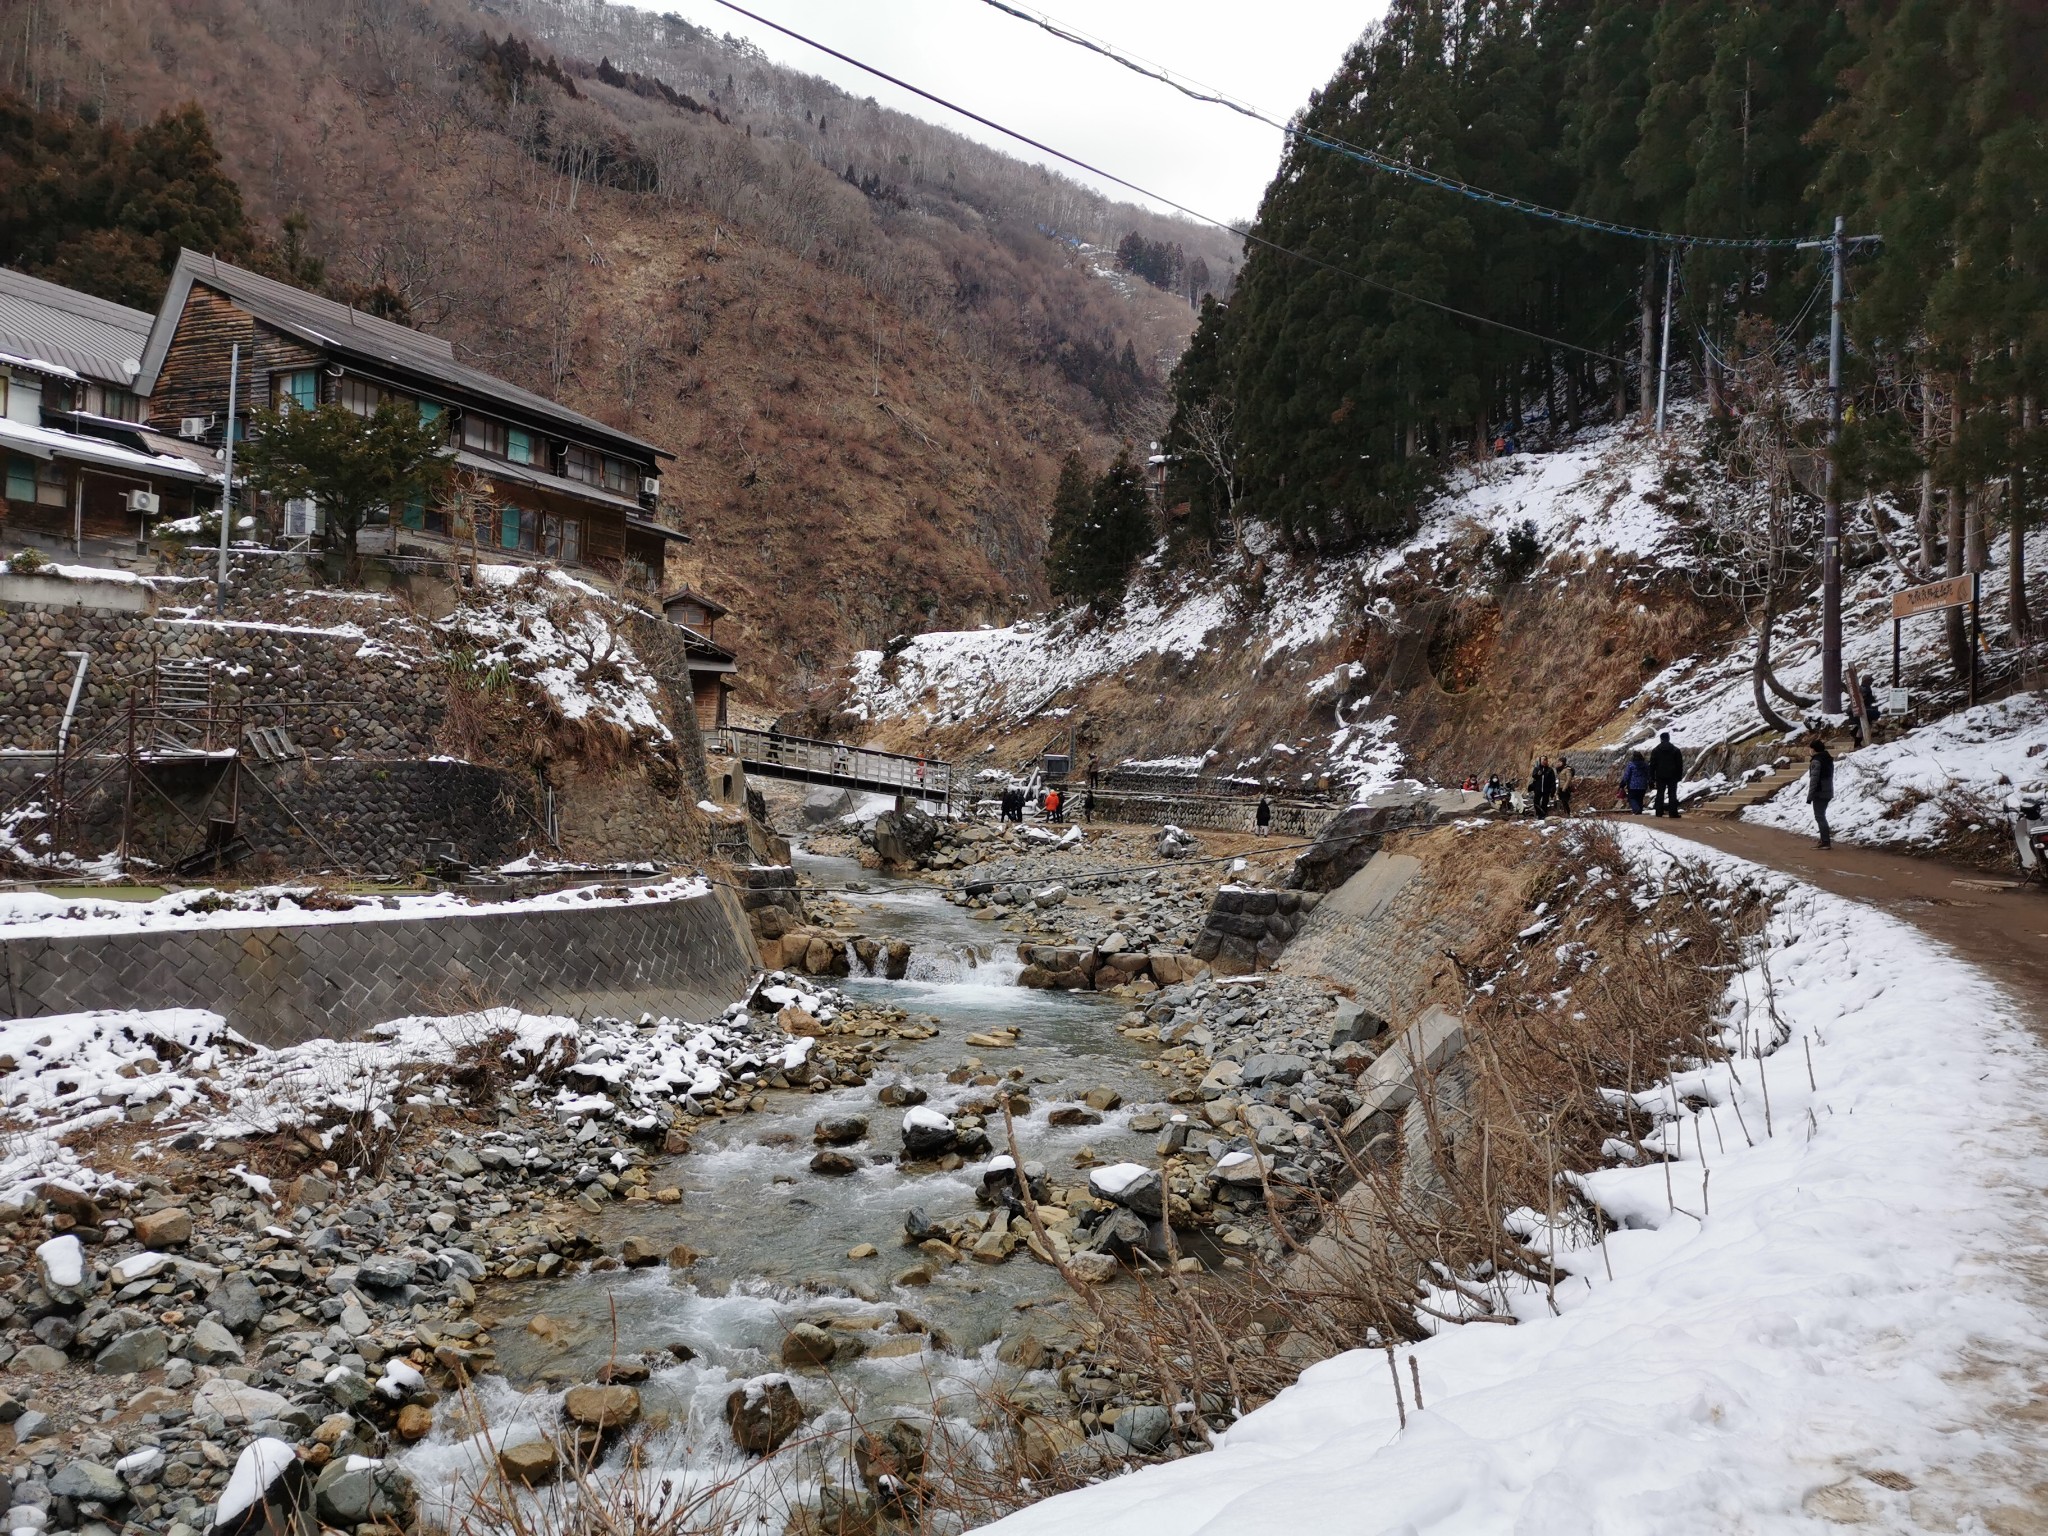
pixel 282 985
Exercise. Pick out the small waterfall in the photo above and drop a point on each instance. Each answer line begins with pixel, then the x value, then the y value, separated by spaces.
pixel 953 964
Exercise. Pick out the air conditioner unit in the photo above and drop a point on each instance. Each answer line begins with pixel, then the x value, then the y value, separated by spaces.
pixel 302 518
pixel 650 485
pixel 195 426
pixel 141 501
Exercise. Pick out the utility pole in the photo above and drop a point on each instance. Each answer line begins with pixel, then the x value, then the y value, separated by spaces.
pixel 1831 495
pixel 227 479
pixel 1664 362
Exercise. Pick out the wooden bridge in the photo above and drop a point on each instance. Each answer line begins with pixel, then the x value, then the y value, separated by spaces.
pixel 772 755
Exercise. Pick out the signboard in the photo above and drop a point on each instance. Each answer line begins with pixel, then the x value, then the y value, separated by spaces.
pixel 1896 701
pixel 1952 593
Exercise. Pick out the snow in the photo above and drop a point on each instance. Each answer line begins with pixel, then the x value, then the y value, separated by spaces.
pixel 1116 1178
pixel 400 1380
pixel 925 1119
pixel 1839 1298
pixel 1918 791
pixel 260 1466
pixel 63 1260
pixel 36 914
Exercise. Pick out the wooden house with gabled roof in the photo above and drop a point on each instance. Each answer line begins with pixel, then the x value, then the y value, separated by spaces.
pixel 564 486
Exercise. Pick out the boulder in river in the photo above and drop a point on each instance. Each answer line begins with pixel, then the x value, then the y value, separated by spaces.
pixel 600 1407
pixel 833 1164
pixel 927 1133
pixel 762 1413
pixel 839 1130
pixel 1131 1185
pixel 807 1345
pixel 530 1464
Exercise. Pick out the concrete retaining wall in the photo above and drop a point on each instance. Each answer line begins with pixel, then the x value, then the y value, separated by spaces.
pixel 1291 818
pixel 282 985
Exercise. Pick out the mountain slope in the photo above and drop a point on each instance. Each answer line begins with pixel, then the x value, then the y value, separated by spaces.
pixel 868 383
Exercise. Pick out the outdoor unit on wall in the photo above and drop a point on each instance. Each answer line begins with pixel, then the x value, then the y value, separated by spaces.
pixel 144 502
pixel 650 485
pixel 195 426
pixel 301 517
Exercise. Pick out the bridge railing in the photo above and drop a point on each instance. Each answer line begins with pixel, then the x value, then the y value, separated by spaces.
pixel 829 761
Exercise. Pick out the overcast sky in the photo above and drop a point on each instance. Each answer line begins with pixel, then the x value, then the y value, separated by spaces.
pixel 1270 55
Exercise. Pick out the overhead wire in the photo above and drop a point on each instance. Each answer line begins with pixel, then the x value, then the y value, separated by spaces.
pixel 1392 165
pixel 1248 235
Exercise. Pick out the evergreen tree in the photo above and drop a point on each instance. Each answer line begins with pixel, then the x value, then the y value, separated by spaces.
pixel 1069 517
pixel 1091 558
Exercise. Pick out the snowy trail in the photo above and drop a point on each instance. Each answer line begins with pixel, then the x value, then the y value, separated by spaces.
pixel 1849 1331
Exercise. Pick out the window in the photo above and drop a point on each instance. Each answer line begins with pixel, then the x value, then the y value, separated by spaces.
pixel 617 474
pixel 561 537
pixel 520 446
pixel 582 464
pixel 484 435
pixel 110 401
pixel 359 395
pixel 431 412
pixel 38 480
pixel 518 528
pixel 25 401
pixel 300 390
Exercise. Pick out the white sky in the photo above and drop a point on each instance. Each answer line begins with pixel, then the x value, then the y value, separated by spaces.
pixel 1269 56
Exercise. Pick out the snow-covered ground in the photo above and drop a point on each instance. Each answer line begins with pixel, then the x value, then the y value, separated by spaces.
pixel 1923 789
pixel 31 914
pixel 1823 1319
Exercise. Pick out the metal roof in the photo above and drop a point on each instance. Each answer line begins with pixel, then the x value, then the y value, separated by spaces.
pixel 42 321
pixel 353 334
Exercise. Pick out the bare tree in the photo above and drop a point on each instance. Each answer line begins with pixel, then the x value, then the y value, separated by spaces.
pixel 1763 530
pixel 1209 432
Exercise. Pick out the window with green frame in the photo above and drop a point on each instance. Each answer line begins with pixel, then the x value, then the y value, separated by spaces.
pixel 518 528
pixel 520 446
pixel 431 412
pixel 300 389
pixel 21 478
pixel 414 513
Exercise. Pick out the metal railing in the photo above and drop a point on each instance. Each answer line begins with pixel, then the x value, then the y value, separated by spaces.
pixel 833 762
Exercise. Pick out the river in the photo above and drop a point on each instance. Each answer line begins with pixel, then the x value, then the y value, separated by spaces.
pixel 776 1237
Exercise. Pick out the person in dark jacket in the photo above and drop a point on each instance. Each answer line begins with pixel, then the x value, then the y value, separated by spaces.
pixel 1667 767
pixel 1542 786
pixel 1635 781
pixel 1820 788
pixel 1870 700
pixel 1264 815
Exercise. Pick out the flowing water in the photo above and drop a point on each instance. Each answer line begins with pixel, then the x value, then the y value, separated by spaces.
pixel 775 1237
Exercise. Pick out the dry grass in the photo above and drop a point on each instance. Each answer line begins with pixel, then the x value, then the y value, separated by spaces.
pixel 1586 994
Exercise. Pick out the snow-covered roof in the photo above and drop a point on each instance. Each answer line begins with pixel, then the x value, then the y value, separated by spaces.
pixel 43 443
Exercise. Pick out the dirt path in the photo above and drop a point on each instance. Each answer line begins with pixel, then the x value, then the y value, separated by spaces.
pixel 2003 930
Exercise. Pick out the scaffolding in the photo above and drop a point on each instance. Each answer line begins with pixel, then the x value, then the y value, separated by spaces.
pixel 177 734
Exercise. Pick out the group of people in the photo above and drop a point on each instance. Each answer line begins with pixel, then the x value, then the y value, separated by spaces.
pixel 1549 788
pixel 1656 774
pixel 1052 804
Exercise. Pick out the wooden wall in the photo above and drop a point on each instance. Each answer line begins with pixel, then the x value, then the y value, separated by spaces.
pixel 194 378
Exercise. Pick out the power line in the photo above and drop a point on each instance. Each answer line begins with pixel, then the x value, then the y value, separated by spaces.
pixel 1193 213
pixel 1389 165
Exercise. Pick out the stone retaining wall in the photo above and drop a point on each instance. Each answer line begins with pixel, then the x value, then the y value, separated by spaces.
pixel 281 985
pixel 1217 813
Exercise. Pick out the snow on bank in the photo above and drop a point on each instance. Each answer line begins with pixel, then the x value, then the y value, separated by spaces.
pixel 168 1069
pixel 1929 785
pixel 1589 498
pixel 34 914
pixel 1840 1302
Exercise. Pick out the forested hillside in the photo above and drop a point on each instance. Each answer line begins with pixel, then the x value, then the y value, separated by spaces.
pixel 869 341
pixel 1326 403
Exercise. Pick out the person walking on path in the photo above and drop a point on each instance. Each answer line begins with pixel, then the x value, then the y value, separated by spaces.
pixel 1565 780
pixel 1542 786
pixel 1667 767
pixel 1635 782
pixel 1264 815
pixel 1820 788
pixel 1088 802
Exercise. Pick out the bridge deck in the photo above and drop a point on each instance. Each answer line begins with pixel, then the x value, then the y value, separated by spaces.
pixel 805 760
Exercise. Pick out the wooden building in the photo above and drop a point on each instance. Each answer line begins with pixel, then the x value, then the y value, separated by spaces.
pixel 563 486
pixel 84 472
pixel 713 669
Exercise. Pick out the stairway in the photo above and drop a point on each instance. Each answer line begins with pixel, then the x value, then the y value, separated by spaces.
pixel 1757 791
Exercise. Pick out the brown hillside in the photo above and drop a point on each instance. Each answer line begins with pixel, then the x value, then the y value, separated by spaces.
pixel 867 383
